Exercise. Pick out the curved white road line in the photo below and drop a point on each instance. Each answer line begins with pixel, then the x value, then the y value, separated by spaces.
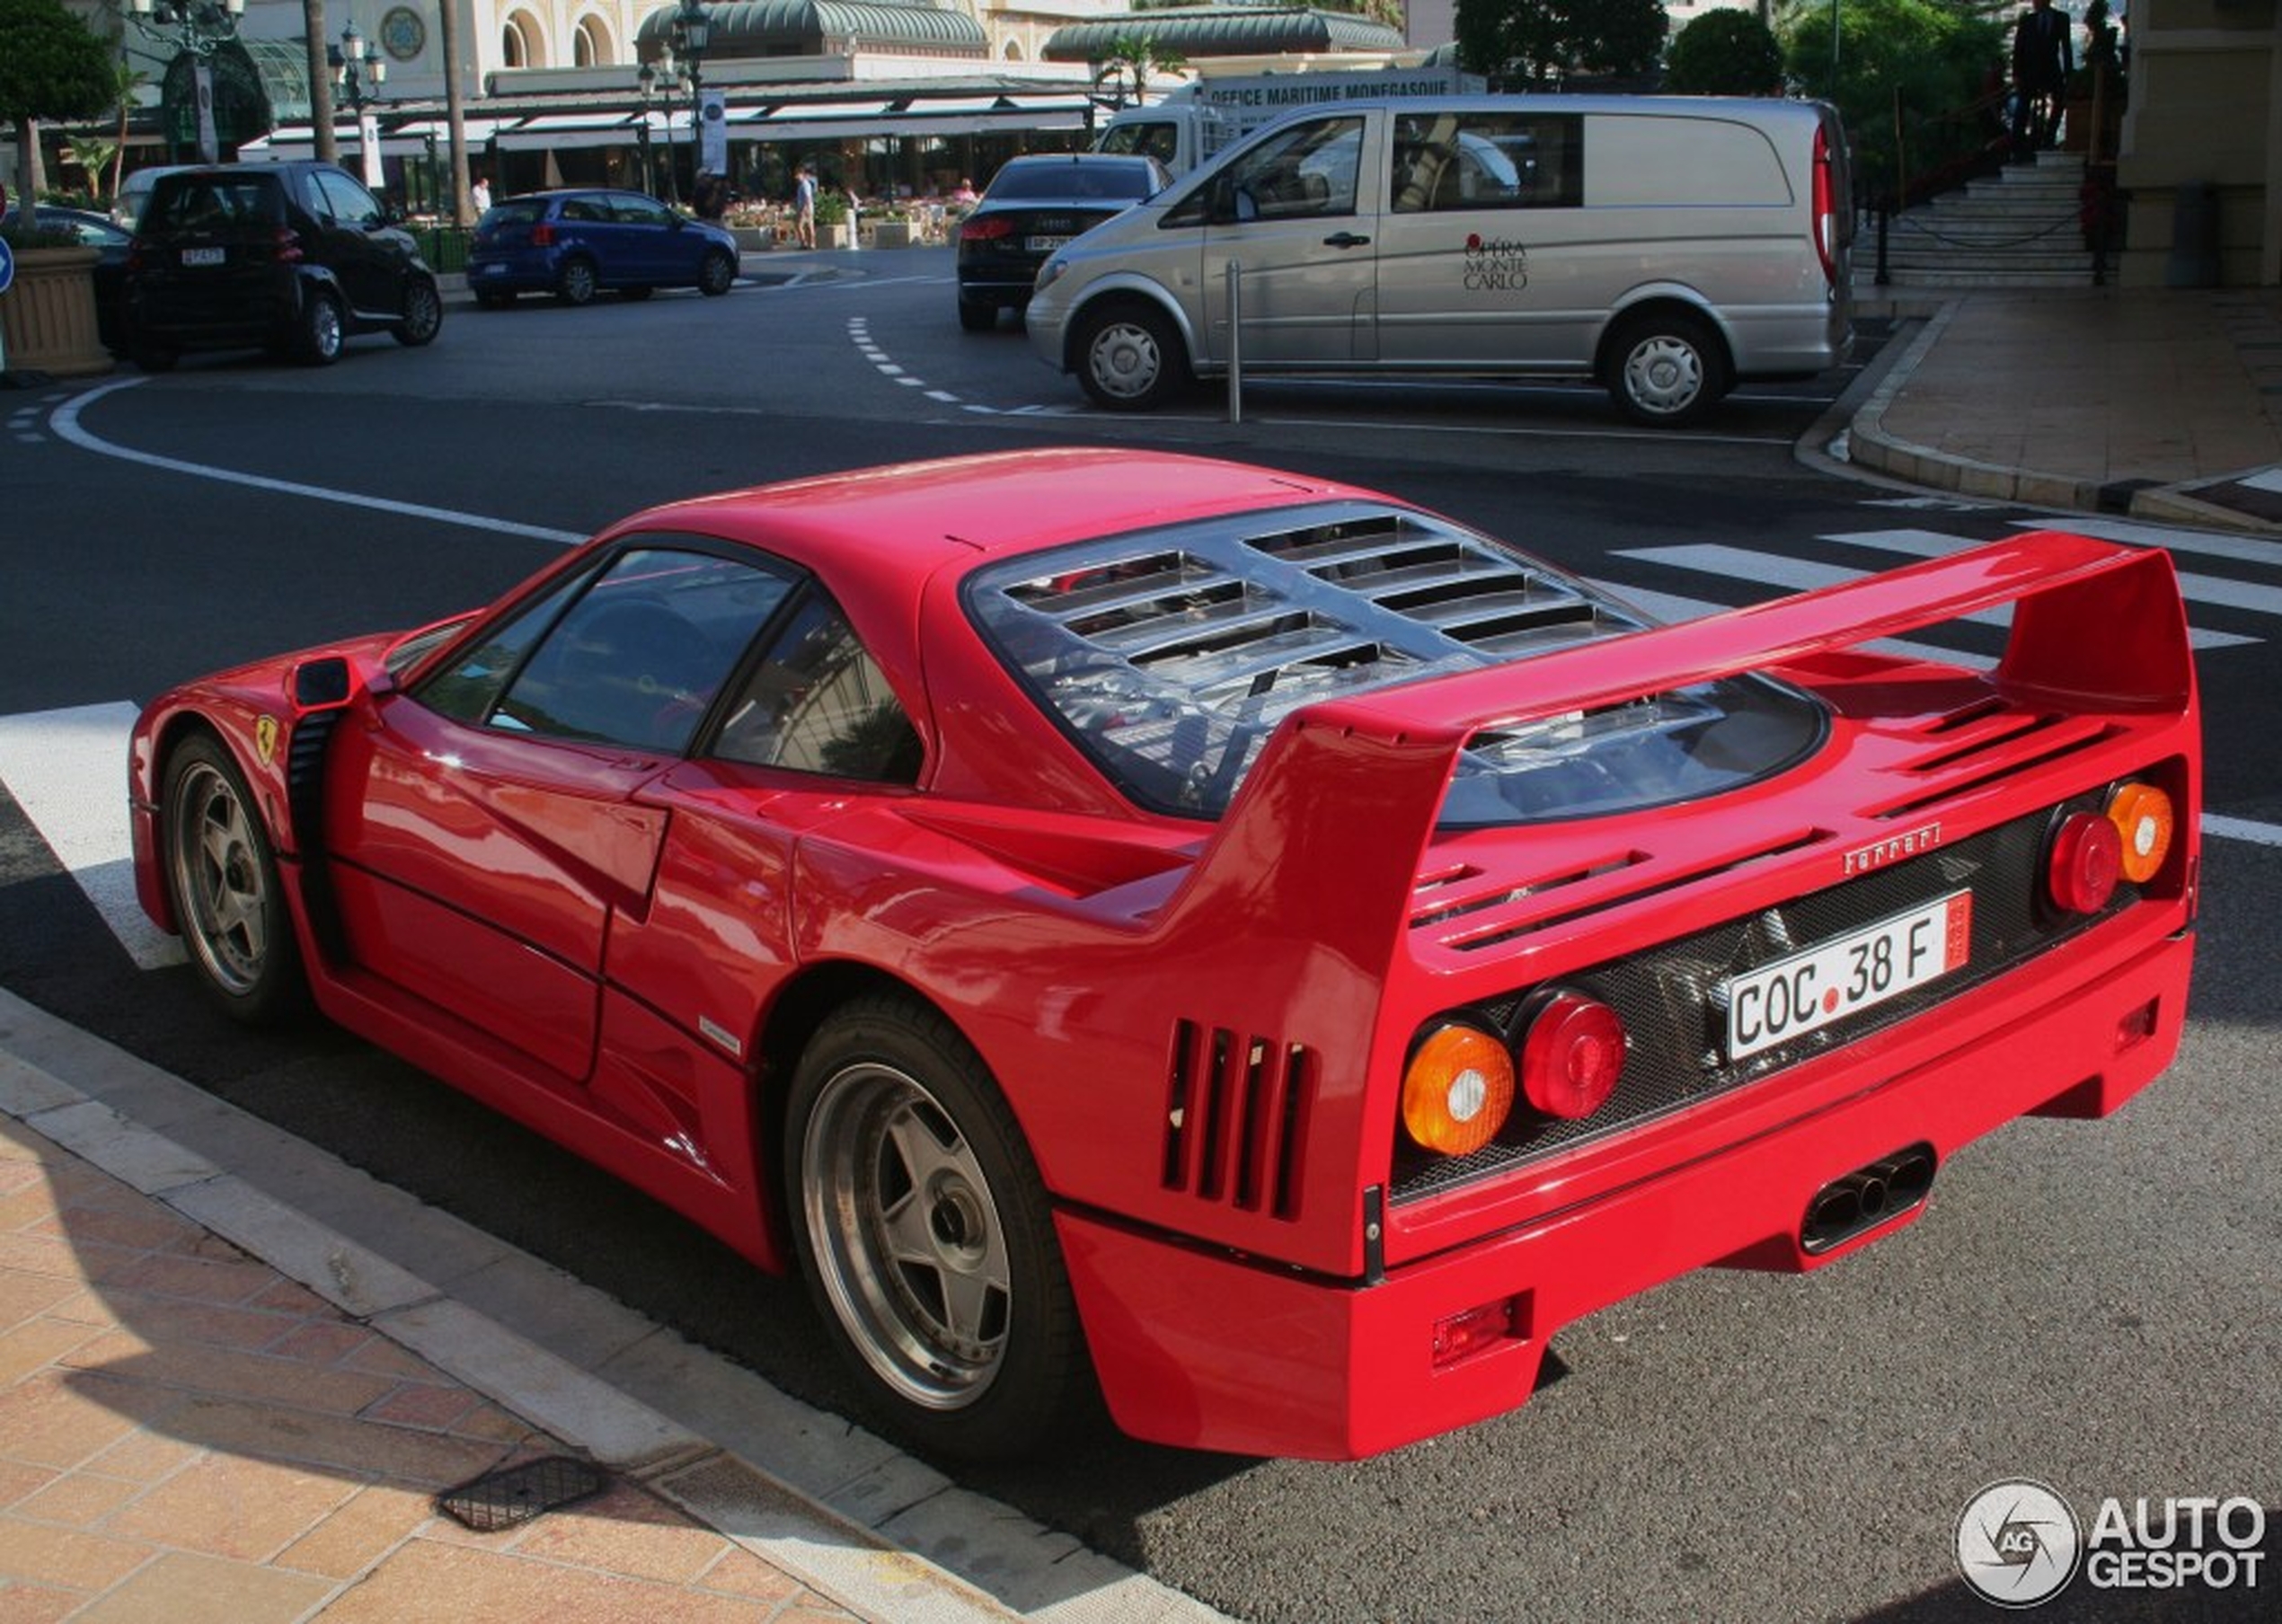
pixel 67 425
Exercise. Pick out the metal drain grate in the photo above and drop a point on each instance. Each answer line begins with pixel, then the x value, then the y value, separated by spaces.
pixel 516 1494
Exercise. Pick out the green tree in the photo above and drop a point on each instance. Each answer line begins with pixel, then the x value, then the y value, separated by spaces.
pixel 1725 53
pixel 1928 58
pixel 51 67
pixel 1542 42
pixel 1131 59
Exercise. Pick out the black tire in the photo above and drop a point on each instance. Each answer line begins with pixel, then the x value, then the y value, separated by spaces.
pixel 319 331
pixel 977 315
pixel 636 294
pixel 954 1312
pixel 1131 357
pixel 717 274
pixel 423 315
pixel 222 876
pixel 1665 370
pixel 155 357
pixel 575 283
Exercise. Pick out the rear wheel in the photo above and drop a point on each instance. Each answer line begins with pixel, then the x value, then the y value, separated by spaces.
pixel 924 1231
pixel 423 315
pixel 1667 369
pixel 717 274
pixel 575 283
pixel 1129 357
pixel 222 876
pixel 320 333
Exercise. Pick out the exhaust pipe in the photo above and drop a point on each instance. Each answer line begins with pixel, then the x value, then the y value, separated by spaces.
pixel 1867 1198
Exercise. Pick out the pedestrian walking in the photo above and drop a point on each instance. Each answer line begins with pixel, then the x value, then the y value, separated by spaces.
pixel 804 207
pixel 2042 59
pixel 478 196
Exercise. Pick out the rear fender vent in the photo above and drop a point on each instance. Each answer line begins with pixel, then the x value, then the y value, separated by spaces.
pixel 1235 1119
pixel 1961 771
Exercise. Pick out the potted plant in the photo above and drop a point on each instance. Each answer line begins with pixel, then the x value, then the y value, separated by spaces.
pixel 832 219
pixel 51 68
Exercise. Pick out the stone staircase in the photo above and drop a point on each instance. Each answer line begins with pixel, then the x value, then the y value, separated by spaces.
pixel 2018 229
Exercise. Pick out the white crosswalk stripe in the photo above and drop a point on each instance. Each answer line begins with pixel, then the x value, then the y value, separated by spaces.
pixel 67 771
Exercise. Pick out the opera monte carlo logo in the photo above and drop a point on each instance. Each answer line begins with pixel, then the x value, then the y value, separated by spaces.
pixel 2020 1544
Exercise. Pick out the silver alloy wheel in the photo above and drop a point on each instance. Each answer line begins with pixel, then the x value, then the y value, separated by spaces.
pixel 423 313
pixel 909 1246
pixel 1663 374
pixel 322 333
pixel 718 275
pixel 219 876
pixel 575 282
pixel 1125 359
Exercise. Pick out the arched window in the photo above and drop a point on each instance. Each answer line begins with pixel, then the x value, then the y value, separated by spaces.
pixel 1013 52
pixel 523 43
pixel 591 46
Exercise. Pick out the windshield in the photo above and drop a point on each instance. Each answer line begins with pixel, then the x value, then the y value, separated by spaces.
pixel 1065 179
pixel 1171 655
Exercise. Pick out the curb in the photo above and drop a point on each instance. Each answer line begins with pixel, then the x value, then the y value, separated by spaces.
pixel 883 1534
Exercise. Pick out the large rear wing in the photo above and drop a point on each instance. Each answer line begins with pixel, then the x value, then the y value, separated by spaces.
pixel 1345 797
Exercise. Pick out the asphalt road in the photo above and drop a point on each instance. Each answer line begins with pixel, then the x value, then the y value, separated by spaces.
pixel 2091 1305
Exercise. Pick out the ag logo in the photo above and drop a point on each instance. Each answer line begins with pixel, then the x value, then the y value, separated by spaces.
pixel 265 739
pixel 2018 1543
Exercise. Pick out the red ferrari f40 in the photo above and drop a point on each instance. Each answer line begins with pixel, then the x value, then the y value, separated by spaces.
pixel 1218 938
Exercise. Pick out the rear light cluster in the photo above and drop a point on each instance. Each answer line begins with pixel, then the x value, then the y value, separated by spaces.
pixel 1825 208
pixel 1461 1085
pixel 986 229
pixel 2091 853
pixel 542 235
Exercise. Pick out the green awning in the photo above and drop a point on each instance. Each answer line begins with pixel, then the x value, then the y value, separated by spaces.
pixel 1226 31
pixel 815 28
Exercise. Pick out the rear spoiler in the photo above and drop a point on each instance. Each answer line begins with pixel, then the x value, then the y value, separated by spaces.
pixel 1344 797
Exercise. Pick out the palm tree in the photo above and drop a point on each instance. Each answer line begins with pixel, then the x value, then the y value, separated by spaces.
pixel 1134 56
pixel 127 81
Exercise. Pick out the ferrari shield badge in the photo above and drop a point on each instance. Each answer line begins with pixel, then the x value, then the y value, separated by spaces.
pixel 265 739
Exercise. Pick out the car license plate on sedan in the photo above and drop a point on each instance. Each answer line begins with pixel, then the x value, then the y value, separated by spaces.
pixel 1792 996
pixel 202 256
pixel 1044 245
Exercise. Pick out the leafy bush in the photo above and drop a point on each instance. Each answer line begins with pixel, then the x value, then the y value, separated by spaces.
pixel 1936 55
pixel 1725 53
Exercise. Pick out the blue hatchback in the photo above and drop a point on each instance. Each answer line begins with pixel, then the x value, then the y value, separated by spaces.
pixel 578 240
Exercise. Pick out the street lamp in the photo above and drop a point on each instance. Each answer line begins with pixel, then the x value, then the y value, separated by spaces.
pixel 691 30
pixel 358 70
pixel 671 77
pixel 645 87
pixel 200 27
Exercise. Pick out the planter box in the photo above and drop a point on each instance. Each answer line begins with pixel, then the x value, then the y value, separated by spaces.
pixel 48 318
pixel 835 235
pixel 754 238
pixel 893 234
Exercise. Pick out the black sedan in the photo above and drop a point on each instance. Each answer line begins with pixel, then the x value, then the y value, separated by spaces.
pixel 92 230
pixel 1033 207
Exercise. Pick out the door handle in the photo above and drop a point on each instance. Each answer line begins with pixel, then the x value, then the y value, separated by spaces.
pixel 1346 239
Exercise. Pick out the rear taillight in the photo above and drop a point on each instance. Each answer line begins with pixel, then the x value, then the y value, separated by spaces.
pixel 2144 825
pixel 285 246
pixel 2083 862
pixel 987 229
pixel 1826 218
pixel 1572 1055
pixel 1457 1091
pixel 542 235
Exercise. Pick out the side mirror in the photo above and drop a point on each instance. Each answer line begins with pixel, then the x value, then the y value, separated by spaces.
pixel 328 682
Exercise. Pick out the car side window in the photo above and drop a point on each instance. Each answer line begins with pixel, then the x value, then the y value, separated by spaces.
pixel 466 690
pixel 1308 171
pixel 1449 161
pixel 590 210
pixel 631 210
pixel 817 703
pixel 345 200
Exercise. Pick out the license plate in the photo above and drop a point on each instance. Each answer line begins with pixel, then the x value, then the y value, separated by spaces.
pixel 1792 996
pixel 490 270
pixel 1044 245
pixel 202 256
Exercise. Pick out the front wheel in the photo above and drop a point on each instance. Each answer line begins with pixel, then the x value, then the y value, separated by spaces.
pixel 1130 358
pixel 222 875
pixel 717 274
pixel 921 1224
pixel 1666 371
pixel 423 315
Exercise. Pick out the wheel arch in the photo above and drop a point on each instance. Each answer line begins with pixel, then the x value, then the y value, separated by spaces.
pixel 1128 290
pixel 1658 300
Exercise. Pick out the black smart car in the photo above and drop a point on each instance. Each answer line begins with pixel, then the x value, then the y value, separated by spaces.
pixel 290 257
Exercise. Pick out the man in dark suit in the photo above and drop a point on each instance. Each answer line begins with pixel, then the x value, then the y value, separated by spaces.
pixel 2042 58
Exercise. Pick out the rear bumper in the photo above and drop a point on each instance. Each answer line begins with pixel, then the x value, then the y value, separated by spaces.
pixel 1199 1348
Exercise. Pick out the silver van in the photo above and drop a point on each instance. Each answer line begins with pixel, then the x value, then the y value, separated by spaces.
pixel 1668 246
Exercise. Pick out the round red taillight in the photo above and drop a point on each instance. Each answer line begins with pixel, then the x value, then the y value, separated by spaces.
pixel 1572 1056
pixel 2084 863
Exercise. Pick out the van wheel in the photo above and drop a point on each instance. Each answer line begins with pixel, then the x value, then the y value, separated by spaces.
pixel 1129 359
pixel 1666 371
pixel 318 338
